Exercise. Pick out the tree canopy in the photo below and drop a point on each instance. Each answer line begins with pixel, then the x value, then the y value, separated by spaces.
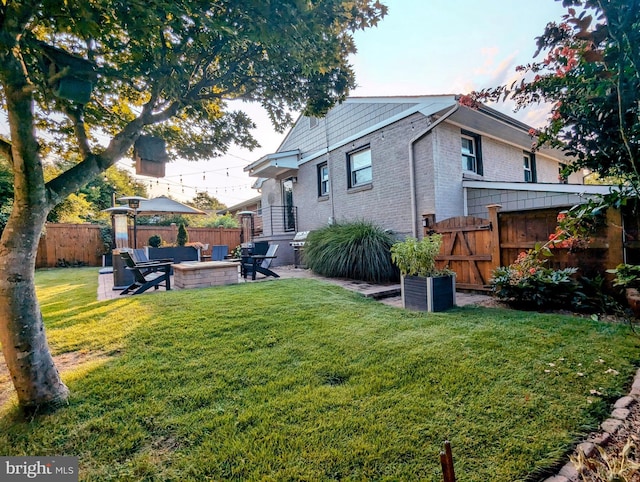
pixel 206 202
pixel 87 78
pixel 590 73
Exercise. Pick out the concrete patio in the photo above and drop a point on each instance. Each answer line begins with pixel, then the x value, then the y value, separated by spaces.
pixel 385 293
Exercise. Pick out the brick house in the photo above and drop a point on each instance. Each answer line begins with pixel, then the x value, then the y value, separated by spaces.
pixel 394 160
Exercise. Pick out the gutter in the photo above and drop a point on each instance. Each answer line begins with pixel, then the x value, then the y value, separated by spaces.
pixel 412 164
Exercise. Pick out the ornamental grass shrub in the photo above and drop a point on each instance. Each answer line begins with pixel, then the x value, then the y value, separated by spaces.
pixel 358 250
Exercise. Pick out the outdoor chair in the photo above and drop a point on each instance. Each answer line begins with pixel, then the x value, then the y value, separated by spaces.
pixel 219 252
pixel 139 255
pixel 150 274
pixel 259 263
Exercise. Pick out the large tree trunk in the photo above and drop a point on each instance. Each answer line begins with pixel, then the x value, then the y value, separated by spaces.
pixel 22 333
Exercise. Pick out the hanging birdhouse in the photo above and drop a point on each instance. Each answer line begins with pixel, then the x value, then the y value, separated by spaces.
pixel 150 154
pixel 71 77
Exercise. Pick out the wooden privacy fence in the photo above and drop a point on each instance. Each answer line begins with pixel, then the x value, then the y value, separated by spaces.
pixel 73 243
pixel 473 247
pixel 81 244
pixel 169 234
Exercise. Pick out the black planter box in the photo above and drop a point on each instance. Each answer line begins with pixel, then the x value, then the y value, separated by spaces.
pixel 428 294
pixel 176 253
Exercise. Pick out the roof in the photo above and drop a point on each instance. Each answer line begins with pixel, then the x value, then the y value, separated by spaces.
pixel 165 205
pixel 357 117
pixel 241 205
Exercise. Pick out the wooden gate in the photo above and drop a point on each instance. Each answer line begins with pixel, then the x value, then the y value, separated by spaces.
pixel 467 250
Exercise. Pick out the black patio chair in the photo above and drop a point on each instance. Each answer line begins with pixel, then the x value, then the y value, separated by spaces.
pixel 151 274
pixel 259 263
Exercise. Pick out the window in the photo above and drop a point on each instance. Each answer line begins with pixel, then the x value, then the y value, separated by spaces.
pixel 529 163
pixel 471 152
pixel 323 179
pixel 313 122
pixel 359 167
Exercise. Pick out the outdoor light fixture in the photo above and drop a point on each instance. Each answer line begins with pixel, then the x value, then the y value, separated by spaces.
pixel 134 203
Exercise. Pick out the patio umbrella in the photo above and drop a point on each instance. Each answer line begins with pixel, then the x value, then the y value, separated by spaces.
pixel 164 205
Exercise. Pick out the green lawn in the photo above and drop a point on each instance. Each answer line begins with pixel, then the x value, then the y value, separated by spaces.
pixel 301 380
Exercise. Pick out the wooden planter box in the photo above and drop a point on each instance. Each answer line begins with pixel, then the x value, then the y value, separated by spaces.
pixel 428 294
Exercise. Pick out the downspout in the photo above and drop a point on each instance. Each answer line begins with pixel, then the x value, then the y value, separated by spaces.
pixel 412 175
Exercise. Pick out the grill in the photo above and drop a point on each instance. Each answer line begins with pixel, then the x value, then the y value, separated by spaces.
pixel 298 248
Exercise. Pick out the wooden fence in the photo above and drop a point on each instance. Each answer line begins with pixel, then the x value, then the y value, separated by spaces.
pixel 520 231
pixel 70 243
pixel 81 244
pixel 473 247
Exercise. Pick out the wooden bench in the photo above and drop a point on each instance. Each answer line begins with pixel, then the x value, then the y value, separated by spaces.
pixel 204 274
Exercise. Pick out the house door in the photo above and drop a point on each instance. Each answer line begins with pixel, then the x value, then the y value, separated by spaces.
pixel 289 214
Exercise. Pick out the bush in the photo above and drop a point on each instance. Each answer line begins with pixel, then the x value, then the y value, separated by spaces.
pixel 155 241
pixel 358 250
pixel 226 221
pixel 183 236
pixel 529 284
pixel 418 258
pixel 106 235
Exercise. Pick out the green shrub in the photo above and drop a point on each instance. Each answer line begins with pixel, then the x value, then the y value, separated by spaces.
pixel 106 236
pixel 225 221
pixel 183 236
pixel 358 250
pixel 418 258
pixel 155 241
pixel 627 275
pixel 529 284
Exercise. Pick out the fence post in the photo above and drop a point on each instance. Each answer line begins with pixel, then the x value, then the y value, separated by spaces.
pixel 495 234
pixel 615 241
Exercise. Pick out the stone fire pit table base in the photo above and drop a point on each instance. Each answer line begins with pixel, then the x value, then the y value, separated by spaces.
pixel 204 274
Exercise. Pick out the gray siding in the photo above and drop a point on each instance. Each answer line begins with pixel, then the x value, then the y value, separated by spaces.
pixel 343 121
pixel 479 199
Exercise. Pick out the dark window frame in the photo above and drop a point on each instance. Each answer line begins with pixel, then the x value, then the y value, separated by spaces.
pixel 322 190
pixel 350 172
pixel 477 140
pixel 532 167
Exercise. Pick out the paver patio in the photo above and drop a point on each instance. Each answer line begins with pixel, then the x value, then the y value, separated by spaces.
pixel 385 293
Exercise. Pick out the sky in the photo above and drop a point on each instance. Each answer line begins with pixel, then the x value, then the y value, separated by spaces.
pixel 421 47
